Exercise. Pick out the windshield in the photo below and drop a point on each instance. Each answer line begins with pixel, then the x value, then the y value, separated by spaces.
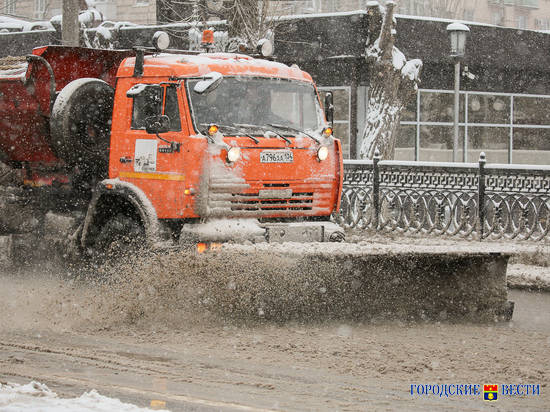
pixel 257 101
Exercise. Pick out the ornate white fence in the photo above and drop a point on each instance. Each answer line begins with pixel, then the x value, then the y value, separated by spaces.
pixel 476 200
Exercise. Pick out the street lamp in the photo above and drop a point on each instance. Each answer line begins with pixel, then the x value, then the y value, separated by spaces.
pixel 457 34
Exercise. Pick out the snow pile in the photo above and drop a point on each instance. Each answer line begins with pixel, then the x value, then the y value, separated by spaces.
pixel 36 396
pixel 521 276
pixel 297 282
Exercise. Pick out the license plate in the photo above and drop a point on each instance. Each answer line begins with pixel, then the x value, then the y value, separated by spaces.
pixel 275 193
pixel 276 156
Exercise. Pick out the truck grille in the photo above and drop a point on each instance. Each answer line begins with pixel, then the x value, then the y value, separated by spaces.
pixel 255 200
pixel 252 201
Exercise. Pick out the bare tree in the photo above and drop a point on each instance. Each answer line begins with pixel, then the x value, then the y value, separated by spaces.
pixel 394 81
pixel 248 21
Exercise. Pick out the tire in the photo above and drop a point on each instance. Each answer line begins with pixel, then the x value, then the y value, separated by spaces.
pixel 120 235
pixel 80 124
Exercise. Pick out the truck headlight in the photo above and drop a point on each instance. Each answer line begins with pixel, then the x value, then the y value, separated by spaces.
pixel 233 154
pixel 322 153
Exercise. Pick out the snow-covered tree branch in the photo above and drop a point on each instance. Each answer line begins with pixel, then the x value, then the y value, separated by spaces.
pixel 393 81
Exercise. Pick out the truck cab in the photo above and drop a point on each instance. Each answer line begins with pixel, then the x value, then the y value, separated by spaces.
pixel 216 136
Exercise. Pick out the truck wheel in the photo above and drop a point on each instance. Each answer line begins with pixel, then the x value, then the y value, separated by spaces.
pixel 120 235
pixel 80 124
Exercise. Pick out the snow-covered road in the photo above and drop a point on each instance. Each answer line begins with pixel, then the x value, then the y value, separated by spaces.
pixel 75 337
pixel 208 365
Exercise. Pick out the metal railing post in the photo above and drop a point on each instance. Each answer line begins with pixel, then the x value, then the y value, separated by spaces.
pixel 376 189
pixel 481 194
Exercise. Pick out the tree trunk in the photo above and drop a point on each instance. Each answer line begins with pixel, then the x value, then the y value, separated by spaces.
pixel 393 81
pixel 384 113
pixel 70 27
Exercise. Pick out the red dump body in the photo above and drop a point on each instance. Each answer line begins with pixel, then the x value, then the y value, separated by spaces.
pixel 25 98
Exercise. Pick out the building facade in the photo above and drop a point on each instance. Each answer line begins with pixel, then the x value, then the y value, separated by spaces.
pixel 520 14
pixel 135 11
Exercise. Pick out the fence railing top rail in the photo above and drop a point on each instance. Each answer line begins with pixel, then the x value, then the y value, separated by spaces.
pixel 447 166
pixel 490 168
pixel 517 168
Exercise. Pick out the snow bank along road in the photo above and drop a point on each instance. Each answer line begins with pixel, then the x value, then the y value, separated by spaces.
pixel 35 396
pixel 76 336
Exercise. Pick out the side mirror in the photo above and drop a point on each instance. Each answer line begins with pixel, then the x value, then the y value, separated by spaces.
pixel 144 89
pixel 157 124
pixel 209 83
pixel 329 108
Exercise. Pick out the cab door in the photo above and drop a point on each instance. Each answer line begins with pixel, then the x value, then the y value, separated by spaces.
pixel 152 159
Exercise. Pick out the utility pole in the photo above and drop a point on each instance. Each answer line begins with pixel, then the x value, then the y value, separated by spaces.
pixel 70 32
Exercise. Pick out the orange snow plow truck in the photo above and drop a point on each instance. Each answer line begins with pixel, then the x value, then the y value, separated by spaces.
pixel 99 148
pixel 175 147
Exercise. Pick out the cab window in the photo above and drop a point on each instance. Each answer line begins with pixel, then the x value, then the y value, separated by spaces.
pixel 154 101
pixel 171 109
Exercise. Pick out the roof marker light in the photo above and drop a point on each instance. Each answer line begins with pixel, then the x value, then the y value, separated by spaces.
pixel 161 40
pixel 208 37
pixel 213 129
pixel 265 47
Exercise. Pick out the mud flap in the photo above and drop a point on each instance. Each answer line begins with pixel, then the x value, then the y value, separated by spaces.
pixel 507 311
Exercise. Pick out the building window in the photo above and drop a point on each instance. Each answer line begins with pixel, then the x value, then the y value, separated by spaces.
pixel 507 127
pixel 542 24
pixel 418 8
pixel 521 22
pixel 528 3
pixel 9 6
pixel 404 7
pixel 469 14
pixel 39 8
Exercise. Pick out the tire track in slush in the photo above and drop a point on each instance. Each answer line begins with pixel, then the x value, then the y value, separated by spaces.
pixel 130 362
pixel 118 364
pixel 144 394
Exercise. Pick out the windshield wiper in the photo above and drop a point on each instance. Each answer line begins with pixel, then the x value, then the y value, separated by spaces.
pixel 238 129
pixel 293 129
pixel 267 129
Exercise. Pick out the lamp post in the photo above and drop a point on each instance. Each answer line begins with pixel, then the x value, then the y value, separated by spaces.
pixel 457 34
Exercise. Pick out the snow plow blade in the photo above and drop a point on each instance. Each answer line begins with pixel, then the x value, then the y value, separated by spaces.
pixel 292 281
